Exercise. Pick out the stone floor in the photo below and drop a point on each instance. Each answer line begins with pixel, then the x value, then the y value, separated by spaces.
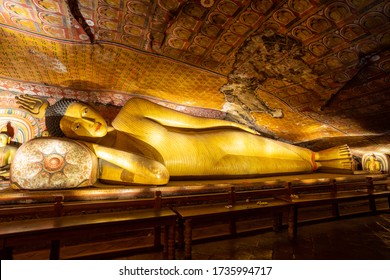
pixel 358 238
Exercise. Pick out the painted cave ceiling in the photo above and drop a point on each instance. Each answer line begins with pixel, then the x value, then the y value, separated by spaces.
pixel 309 72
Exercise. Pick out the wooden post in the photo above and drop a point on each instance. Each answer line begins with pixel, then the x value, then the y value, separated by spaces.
pixel 335 209
pixel 157 230
pixel 6 253
pixel 166 242
pixel 277 221
pixel 232 220
pixel 388 200
pixel 335 204
pixel 157 200
pixel 370 185
pixel 188 239
pixel 292 222
pixel 370 190
pixel 333 188
pixel 54 250
pixel 232 225
pixel 232 195
pixel 290 189
pixel 55 244
pixel 58 206
pixel 171 242
pixel 180 238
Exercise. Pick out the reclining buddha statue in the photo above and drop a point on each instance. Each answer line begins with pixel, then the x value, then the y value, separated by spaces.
pixel 152 144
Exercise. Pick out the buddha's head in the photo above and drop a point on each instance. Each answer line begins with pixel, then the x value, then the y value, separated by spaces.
pixel 74 119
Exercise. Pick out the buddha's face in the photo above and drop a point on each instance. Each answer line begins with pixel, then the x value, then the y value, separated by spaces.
pixel 81 120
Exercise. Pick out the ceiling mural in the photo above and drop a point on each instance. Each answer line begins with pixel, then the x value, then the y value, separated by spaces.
pixel 297 70
pixel 18 124
pixel 49 18
pixel 105 68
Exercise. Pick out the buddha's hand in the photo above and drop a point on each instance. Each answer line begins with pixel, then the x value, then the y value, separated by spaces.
pixel 136 169
pixel 32 104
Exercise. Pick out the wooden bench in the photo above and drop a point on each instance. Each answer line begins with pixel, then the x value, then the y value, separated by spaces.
pixel 24 211
pixel 333 193
pixel 239 204
pixel 52 207
pixel 378 189
pixel 61 229
pixel 198 203
pixel 32 205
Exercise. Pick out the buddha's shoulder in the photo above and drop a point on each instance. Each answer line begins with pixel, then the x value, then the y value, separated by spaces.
pixel 138 100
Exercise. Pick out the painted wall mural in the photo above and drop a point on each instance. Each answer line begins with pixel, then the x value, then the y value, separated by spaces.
pixel 16 123
pixel 376 163
pixel 50 18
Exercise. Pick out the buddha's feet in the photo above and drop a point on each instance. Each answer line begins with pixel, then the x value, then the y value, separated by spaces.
pixel 335 158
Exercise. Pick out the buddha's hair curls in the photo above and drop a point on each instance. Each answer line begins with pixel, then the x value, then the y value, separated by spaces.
pixel 54 114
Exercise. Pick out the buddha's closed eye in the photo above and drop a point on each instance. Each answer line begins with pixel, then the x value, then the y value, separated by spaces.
pixel 84 112
pixel 76 126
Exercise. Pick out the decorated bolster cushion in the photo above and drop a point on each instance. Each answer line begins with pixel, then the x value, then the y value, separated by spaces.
pixel 53 163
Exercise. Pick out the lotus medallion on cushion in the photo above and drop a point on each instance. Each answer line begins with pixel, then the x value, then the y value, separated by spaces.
pixel 53 163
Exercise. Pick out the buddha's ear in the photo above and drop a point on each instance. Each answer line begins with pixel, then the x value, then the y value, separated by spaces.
pixel 8 140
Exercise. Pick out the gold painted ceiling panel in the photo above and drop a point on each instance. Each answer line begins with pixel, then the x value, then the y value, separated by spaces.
pixel 106 67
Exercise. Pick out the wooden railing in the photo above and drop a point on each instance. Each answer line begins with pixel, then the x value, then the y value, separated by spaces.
pixel 334 193
pixel 280 201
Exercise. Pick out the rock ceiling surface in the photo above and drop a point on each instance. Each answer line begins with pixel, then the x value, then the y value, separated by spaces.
pixel 312 72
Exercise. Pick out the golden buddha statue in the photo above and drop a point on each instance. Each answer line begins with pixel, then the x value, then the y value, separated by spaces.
pixel 151 144
pixel 7 154
pixel 373 164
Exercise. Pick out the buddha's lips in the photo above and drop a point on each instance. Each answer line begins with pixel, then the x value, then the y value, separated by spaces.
pixel 99 125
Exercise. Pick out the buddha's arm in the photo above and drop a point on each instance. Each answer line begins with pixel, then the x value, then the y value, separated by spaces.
pixel 142 170
pixel 9 156
pixel 172 118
